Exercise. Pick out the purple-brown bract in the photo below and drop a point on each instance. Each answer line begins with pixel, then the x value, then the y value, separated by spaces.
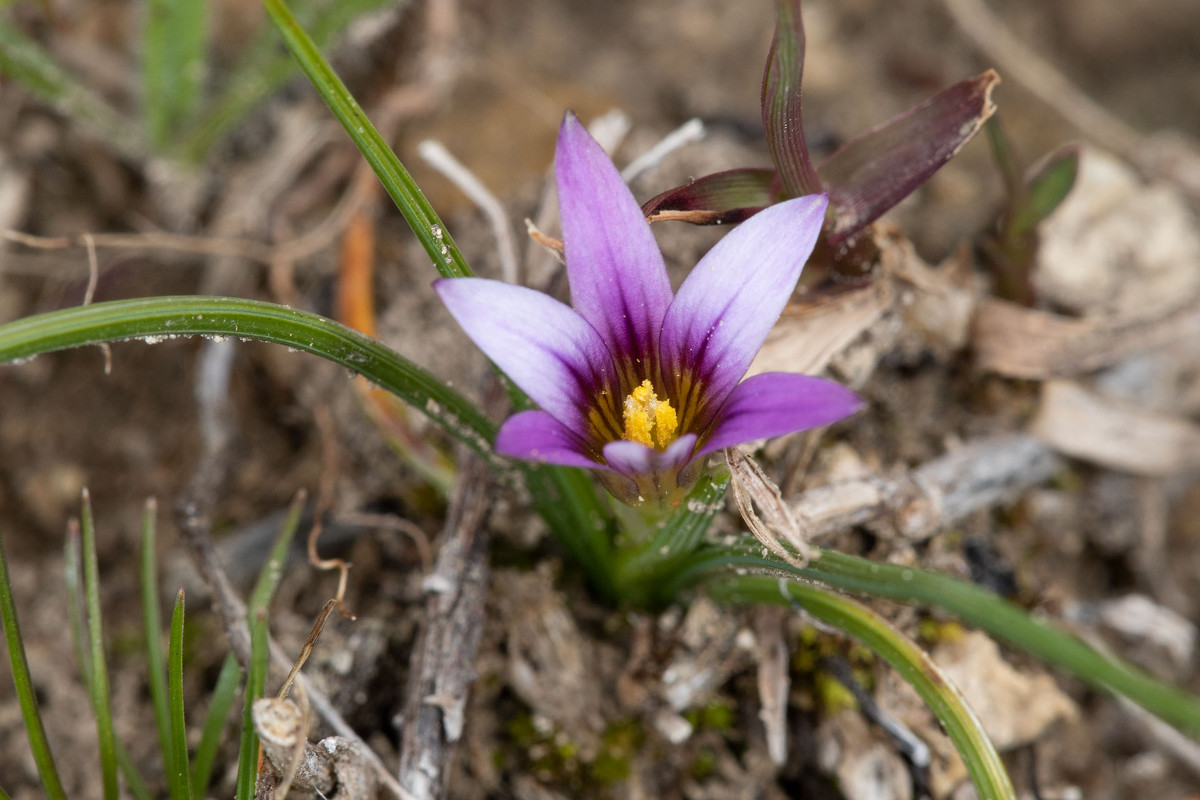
pixel 634 382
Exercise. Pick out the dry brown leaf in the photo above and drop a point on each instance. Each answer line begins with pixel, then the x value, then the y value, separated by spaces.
pixel 1023 343
pixel 1115 434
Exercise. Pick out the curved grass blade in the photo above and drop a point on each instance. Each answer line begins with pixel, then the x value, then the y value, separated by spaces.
pixel 914 665
pixel 99 666
pixel 23 685
pixel 974 606
pixel 156 663
pixel 162 317
pixel 179 778
pixel 425 223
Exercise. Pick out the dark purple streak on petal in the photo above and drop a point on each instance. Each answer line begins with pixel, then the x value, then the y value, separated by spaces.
pixel 778 403
pixel 732 298
pixel 618 279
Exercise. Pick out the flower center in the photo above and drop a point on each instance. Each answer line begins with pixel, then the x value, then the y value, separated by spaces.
pixel 646 416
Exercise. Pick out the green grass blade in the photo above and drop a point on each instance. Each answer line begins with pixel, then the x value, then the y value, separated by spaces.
pixel 272 571
pixel 24 61
pixel 914 665
pixel 214 724
pixel 99 665
pixel 178 780
pixel 26 697
pixel 228 680
pixel 973 605
pixel 176 37
pixel 72 562
pixel 425 223
pixel 262 70
pixel 257 679
pixel 73 576
pixel 260 599
pixel 156 663
pixel 162 317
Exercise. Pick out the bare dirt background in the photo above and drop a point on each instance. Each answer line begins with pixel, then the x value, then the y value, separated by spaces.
pixel 583 718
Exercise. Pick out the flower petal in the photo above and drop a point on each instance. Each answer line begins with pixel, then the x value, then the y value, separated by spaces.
pixel 618 279
pixel 547 349
pixel 777 403
pixel 635 459
pixel 732 298
pixel 537 436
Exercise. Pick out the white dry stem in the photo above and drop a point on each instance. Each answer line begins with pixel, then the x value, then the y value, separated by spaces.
pixel 437 156
pixel 688 132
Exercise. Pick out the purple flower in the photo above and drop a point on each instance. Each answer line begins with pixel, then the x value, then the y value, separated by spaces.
pixel 635 382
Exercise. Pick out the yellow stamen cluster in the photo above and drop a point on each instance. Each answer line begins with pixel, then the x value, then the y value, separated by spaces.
pixel 646 416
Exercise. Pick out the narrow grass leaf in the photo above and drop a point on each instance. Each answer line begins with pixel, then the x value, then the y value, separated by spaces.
pixel 159 318
pixel 272 571
pixel 1047 187
pixel 255 681
pixel 910 661
pixel 23 684
pixel 174 43
pixel 178 779
pixel 72 559
pixel 73 578
pixel 425 223
pixel 99 665
pixel 214 724
pixel 156 663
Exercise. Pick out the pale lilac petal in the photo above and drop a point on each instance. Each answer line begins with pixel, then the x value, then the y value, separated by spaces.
pixel 777 403
pixel 537 436
pixel 635 459
pixel 618 280
pixel 547 349
pixel 729 302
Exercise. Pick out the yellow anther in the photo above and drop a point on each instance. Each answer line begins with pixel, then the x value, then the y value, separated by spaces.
pixel 646 415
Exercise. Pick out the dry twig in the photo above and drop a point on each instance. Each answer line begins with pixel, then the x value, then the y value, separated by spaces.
pixel 441 668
